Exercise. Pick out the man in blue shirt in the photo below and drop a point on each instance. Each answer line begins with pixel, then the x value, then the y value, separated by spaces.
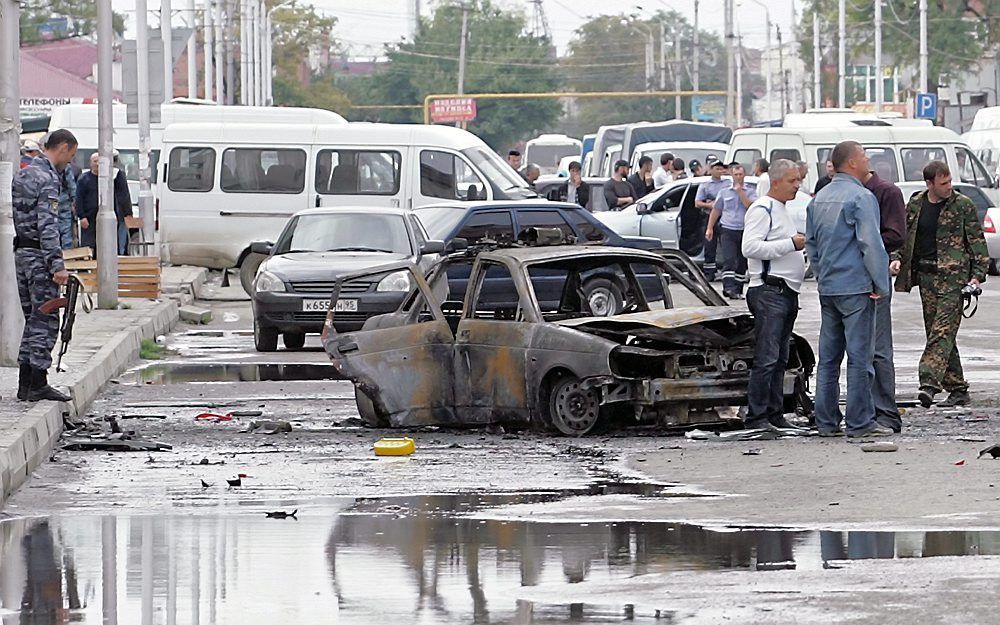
pixel 705 200
pixel 730 208
pixel 844 244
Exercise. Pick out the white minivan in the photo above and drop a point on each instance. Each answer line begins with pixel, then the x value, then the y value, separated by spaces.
pixel 984 137
pixel 225 186
pixel 81 120
pixel 547 150
pixel 898 153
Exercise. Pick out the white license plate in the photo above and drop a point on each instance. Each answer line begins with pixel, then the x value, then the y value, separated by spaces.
pixel 323 305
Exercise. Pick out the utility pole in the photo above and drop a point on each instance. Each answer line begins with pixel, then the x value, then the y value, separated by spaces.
pixel 11 317
pixel 730 41
pixel 107 222
pixel 781 71
pixel 677 72
pixel 219 56
pixel 168 55
pixel 879 89
pixel 768 74
pixel 842 56
pixel 739 77
pixel 924 82
pixel 207 29
pixel 230 55
pixel 244 53
pixel 192 52
pixel 142 87
pixel 462 45
pixel 267 69
pixel 663 57
pixel 696 78
pixel 817 63
pixel 258 62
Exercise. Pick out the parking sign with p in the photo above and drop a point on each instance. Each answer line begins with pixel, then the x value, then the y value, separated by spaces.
pixel 925 106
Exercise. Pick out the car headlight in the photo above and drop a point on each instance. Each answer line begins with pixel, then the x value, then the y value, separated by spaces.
pixel 268 282
pixel 399 281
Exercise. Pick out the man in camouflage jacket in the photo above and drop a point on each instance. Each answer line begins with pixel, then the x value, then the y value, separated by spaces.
pixel 944 250
pixel 39 262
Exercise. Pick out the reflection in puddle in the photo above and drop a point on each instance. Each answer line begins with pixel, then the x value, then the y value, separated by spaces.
pixel 407 560
pixel 189 373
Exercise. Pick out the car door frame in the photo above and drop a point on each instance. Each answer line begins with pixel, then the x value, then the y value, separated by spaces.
pixel 402 361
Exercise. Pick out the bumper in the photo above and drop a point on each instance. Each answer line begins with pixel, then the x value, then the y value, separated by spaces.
pixel 284 311
pixel 706 391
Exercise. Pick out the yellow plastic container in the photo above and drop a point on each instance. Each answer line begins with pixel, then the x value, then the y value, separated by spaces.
pixel 395 446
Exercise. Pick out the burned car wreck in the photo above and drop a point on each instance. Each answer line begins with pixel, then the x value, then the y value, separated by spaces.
pixel 523 346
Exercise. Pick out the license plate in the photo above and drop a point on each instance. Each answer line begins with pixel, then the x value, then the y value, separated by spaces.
pixel 323 305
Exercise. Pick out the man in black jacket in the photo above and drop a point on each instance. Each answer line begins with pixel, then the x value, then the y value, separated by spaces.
pixel 574 190
pixel 87 204
pixel 642 181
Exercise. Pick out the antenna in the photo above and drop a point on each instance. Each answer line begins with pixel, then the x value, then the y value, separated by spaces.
pixel 539 22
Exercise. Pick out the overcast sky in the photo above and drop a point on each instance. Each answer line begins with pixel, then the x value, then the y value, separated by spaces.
pixel 364 27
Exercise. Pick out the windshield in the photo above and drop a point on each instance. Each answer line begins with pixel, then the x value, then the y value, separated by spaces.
pixel 439 221
pixel 128 160
pixel 547 157
pixel 345 232
pixel 495 169
pixel 687 154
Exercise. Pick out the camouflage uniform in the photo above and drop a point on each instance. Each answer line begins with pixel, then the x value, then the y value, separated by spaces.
pixel 37 256
pixel 67 217
pixel 961 256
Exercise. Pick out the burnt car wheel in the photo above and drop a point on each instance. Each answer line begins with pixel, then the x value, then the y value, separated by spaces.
pixel 367 410
pixel 265 339
pixel 603 297
pixel 573 410
pixel 294 340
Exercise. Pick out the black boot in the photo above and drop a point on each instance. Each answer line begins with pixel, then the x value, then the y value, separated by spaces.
pixel 23 382
pixel 40 389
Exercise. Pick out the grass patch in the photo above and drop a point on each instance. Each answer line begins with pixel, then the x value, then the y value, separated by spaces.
pixel 151 350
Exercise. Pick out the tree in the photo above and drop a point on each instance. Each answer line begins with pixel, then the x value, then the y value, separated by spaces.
pixel 302 33
pixel 608 54
pixel 501 57
pixel 45 20
pixel 956 40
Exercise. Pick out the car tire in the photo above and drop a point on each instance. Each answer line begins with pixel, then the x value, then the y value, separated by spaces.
pixel 993 270
pixel 293 340
pixel 604 297
pixel 572 409
pixel 367 410
pixel 265 338
pixel 248 271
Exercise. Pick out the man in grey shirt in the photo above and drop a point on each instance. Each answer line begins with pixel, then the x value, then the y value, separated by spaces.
pixel 617 191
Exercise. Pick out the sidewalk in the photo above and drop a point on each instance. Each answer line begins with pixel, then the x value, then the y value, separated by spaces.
pixel 104 343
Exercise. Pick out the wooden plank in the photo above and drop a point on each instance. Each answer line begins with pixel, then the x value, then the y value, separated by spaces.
pixel 76 265
pixel 78 253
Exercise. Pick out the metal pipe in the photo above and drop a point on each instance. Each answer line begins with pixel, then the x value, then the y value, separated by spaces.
pixel 230 53
pixel 842 56
pixel 696 80
pixel 924 78
pixel 166 34
pixel 244 54
pixel 208 47
pixel 107 221
pixel 879 87
pixel 11 317
pixel 192 51
pixel 268 60
pixel 677 73
pixel 142 86
pixel 817 63
pixel 219 55
pixel 258 63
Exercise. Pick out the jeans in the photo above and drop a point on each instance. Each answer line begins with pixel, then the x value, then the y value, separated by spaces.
pixel 122 239
pixel 848 324
pixel 884 384
pixel 734 264
pixel 66 223
pixel 774 310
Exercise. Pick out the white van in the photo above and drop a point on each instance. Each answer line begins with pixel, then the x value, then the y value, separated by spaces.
pixel 984 138
pixel 81 120
pixel 898 153
pixel 547 150
pixel 225 186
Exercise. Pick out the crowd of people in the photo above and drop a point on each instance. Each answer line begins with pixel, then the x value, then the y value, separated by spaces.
pixel 77 199
pixel 859 235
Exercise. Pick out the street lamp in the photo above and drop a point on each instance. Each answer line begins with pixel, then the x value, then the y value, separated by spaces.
pixel 643 29
pixel 767 54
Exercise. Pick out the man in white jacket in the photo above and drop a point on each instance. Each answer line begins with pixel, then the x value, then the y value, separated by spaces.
pixel 776 267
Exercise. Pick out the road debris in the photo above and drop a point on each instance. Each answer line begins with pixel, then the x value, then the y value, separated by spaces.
pixel 206 462
pixel 993 451
pixel 960 463
pixel 246 413
pixel 213 417
pixel 205 484
pixel 280 514
pixel 394 446
pixel 268 427
pixel 752 452
pixel 114 445
pixel 237 481
pixel 883 446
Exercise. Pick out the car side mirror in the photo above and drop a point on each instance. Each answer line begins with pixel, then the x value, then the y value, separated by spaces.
pixel 456 245
pixel 643 209
pixel 432 247
pixel 262 247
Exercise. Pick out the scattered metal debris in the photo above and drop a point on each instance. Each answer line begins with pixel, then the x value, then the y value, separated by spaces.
pixel 268 427
pixel 752 452
pixel 993 451
pixel 885 446
pixel 114 445
pixel 280 514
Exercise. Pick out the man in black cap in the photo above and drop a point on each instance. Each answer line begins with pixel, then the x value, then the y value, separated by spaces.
pixel 617 191
pixel 697 169
pixel 705 200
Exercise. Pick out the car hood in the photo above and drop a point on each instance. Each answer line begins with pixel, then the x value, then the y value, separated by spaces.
pixel 656 324
pixel 305 266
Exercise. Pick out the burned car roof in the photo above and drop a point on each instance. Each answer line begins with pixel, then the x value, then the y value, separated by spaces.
pixel 667 319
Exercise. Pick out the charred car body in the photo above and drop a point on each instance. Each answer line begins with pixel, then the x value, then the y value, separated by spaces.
pixel 674 353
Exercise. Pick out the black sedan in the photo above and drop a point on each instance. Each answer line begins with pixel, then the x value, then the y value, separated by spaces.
pixel 291 293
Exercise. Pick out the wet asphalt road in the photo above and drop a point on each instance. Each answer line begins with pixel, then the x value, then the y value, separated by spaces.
pixel 421 539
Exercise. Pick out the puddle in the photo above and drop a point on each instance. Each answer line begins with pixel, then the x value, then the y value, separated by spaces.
pixel 194 373
pixel 424 559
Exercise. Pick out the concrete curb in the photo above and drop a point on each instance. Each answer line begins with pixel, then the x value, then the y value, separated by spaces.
pixel 24 445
